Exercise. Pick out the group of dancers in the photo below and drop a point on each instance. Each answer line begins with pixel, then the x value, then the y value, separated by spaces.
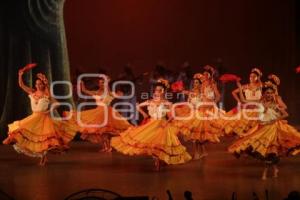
pixel 258 123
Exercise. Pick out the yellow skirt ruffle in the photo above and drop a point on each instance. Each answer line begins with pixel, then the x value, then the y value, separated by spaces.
pixel 37 134
pixel 240 124
pixel 268 141
pixel 155 138
pixel 92 123
pixel 197 129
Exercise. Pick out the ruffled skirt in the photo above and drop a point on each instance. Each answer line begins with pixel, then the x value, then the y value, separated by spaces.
pixel 93 123
pixel 39 133
pixel 156 138
pixel 268 142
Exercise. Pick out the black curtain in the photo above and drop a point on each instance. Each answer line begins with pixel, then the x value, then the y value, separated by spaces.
pixel 30 31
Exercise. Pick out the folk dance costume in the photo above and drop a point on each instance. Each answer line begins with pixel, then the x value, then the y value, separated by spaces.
pixel 155 138
pixel 99 124
pixel 38 133
pixel 241 119
pixel 202 127
pixel 272 137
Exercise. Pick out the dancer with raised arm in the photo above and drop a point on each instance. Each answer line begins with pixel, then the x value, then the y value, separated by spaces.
pixel 38 133
pixel 99 124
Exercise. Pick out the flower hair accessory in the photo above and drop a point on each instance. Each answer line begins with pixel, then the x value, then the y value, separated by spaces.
pixel 275 79
pixel 210 70
pixel 271 85
pixel 257 71
pixel 164 82
pixel 198 76
pixel 43 78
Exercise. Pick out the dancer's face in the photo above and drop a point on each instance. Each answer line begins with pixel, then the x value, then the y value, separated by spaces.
pixel 101 84
pixel 196 83
pixel 158 91
pixel 39 85
pixel 253 78
pixel 206 76
pixel 269 94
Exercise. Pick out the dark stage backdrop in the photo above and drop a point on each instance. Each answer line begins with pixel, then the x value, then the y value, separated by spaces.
pixel 237 34
pixel 30 31
pixel 100 33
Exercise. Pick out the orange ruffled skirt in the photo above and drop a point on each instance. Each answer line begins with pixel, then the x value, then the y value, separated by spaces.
pixel 38 133
pixel 156 138
pixel 240 123
pixel 196 128
pixel 92 123
pixel 268 142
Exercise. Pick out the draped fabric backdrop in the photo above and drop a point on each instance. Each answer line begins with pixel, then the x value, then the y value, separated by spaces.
pixel 235 34
pixel 30 31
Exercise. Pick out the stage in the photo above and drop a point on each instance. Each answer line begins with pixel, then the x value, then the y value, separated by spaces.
pixel 83 167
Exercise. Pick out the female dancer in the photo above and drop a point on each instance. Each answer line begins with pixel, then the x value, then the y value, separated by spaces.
pixel 203 127
pixel 37 134
pixel 99 124
pixel 187 111
pixel 210 129
pixel 272 137
pixel 157 137
pixel 246 96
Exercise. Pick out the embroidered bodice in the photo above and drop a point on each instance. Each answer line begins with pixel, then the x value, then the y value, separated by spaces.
pixel 252 94
pixel 194 98
pixel 209 93
pixel 39 104
pixel 157 111
pixel 270 114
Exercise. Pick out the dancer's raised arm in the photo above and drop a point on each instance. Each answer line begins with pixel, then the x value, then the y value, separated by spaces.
pixel 85 90
pixel 22 85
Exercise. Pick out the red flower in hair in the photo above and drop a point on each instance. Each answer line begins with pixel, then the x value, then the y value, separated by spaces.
pixel 177 86
pixel 229 78
pixel 298 70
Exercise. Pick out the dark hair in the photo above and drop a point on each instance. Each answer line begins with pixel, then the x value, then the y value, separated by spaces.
pixel 40 80
pixel 256 73
pixel 273 81
pixel 265 88
pixel 161 85
pixel 197 79
pixel 208 71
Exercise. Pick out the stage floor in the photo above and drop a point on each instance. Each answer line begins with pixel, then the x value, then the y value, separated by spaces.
pixel 83 167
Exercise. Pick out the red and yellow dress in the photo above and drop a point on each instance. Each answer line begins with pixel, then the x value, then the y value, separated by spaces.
pixel 202 126
pixel 245 117
pixel 269 139
pixel 155 138
pixel 93 123
pixel 38 133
